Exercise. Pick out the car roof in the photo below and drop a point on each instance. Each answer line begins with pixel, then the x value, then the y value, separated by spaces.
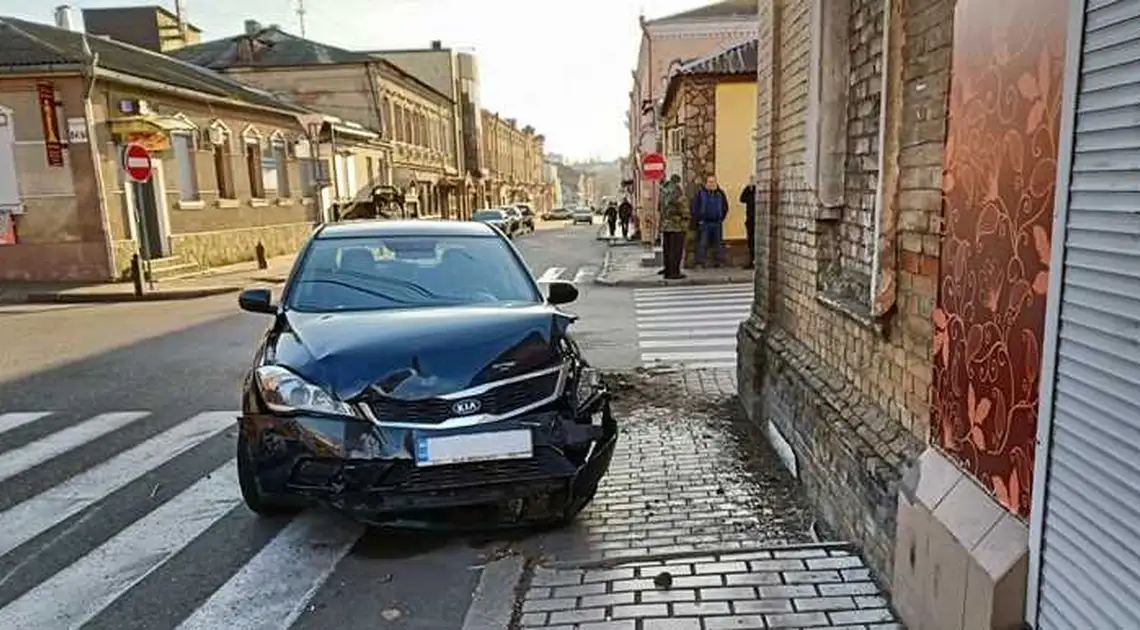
pixel 382 228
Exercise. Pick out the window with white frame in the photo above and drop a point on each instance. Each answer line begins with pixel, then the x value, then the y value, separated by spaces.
pixel 254 165
pixel 223 165
pixel 184 158
pixel 274 168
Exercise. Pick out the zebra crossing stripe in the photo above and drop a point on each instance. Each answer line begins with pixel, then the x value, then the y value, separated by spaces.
pixel 40 451
pixel 584 275
pixel 76 594
pixel 272 590
pixel 24 521
pixel 15 420
pixel 551 275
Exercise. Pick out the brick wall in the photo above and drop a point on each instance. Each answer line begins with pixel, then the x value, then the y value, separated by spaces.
pixel 849 392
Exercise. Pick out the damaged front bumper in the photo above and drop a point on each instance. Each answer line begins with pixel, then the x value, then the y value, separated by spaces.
pixel 370 472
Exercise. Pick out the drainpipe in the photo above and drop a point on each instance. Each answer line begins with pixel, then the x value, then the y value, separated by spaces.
pixel 90 63
pixel 335 171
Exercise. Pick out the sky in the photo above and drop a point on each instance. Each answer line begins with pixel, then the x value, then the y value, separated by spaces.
pixel 561 66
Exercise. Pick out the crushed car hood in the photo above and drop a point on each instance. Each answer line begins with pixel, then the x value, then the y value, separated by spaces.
pixel 418 353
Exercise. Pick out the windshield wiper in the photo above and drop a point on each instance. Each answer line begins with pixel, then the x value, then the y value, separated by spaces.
pixel 378 294
pixel 407 284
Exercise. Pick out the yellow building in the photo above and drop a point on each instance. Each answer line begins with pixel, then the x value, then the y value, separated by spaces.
pixel 514 159
pixel 707 122
pixel 414 120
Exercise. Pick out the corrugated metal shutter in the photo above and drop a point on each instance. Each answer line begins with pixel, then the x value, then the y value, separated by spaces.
pixel 1090 557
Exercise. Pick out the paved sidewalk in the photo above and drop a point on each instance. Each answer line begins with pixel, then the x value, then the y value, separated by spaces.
pixel 697 526
pixel 623 267
pixel 215 281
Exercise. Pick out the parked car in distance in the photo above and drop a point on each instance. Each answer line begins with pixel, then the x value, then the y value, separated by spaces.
pixel 515 217
pixel 558 214
pixel 411 369
pixel 583 215
pixel 495 217
pixel 527 216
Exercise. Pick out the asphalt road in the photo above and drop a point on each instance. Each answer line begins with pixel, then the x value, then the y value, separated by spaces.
pixel 118 507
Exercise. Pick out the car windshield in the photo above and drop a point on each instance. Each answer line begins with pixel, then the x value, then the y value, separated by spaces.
pixel 487 215
pixel 371 273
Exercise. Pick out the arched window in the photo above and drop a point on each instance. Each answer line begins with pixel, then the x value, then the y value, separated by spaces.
pixel 221 140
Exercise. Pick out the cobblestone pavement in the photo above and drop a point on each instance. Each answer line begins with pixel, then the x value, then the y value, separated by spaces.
pixel 697 526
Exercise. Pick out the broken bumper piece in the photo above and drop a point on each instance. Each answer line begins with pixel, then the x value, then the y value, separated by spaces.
pixel 379 474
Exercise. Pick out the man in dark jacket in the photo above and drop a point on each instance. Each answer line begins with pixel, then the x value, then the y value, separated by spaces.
pixel 708 209
pixel 748 198
pixel 625 213
pixel 611 218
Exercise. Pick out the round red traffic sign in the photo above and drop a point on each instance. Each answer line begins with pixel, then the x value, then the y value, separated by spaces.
pixel 653 166
pixel 137 162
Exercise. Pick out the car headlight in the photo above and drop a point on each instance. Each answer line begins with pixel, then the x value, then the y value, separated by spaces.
pixel 588 383
pixel 284 391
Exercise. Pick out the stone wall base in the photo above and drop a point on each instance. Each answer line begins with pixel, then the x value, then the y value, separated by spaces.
pixel 961 560
pixel 847 453
pixel 55 262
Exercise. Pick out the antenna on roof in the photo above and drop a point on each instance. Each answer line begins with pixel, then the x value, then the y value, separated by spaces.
pixel 180 15
pixel 301 16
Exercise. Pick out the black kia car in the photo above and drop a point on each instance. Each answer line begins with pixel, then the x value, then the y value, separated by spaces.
pixel 414 369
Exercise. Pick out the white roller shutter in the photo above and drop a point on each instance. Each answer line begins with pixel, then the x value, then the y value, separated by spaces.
pixel 1089 554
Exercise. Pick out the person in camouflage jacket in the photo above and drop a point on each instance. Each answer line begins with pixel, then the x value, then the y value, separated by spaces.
pixel 674 212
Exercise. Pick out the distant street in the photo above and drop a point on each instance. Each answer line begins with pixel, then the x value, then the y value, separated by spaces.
pixel 108 411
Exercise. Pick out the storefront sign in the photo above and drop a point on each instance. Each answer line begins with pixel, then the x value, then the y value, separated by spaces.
pixel 53 145
pixel 154 141
pixel 76 130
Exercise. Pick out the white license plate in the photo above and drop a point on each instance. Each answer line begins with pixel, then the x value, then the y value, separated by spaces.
pixel 473 447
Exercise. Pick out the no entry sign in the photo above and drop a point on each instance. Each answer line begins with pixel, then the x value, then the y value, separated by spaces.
pixel 653 167
pixel 137 162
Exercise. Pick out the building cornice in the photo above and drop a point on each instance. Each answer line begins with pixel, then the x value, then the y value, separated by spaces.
pixel 744 26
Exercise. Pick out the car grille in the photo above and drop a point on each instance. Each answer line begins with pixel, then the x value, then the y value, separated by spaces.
pixel 498 401
pixel 405 477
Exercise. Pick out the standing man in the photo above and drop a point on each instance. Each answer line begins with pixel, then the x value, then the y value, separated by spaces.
pixel 748 198
pixel 625 213
pixel 709 208
pixel 674 224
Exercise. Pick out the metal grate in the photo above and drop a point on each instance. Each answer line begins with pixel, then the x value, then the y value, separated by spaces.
pixel 498 401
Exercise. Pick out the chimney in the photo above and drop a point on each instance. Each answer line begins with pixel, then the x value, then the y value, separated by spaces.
pixel 63 17
pixel 252 27
pixel 436 44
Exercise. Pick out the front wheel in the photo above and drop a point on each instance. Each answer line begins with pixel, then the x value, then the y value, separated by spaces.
pixel 247 482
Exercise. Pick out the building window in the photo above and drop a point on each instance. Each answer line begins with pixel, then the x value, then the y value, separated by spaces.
pixel 187 170
pixel 370 168
pixel 223 165
pixel 253 167
pixel 275 168
pixel 308 171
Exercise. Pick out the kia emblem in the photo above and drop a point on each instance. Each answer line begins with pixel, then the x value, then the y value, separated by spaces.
pixel 466 407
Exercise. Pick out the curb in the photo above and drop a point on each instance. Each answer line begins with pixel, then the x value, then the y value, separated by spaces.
pixel 603 279
pixel 127 296
pixel 610 562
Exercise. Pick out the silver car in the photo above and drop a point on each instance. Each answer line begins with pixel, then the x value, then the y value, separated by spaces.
pixel 583 215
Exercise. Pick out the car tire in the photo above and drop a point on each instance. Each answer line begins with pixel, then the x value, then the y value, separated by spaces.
pixel 250 491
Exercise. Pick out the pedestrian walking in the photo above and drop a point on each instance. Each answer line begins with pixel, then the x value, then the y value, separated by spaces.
pixel 748 198
pixel 611 218
pixel 708 209
pixel 674 223
pixel 625 214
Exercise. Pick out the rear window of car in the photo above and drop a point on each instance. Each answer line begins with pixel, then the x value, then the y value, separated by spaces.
pixel 371 273
pixel 487 215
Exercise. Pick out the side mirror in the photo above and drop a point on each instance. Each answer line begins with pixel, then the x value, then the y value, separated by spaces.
pixel 562 293
pixel 256 301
